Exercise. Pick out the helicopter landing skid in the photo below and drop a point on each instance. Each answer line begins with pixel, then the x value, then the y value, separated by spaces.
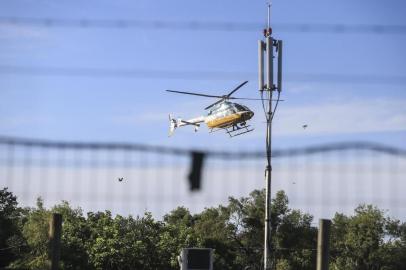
pixel 215 130
pixel 238 130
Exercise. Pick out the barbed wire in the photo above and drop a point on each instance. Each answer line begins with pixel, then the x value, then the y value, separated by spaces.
pixel 196 75
pixel 205 25
pixel 342 146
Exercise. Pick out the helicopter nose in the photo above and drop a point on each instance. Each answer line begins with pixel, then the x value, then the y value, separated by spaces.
pixel 249 114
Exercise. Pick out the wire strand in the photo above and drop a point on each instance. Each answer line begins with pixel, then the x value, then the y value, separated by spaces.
pixel 205 25
pixel 97 72
pixel 331 147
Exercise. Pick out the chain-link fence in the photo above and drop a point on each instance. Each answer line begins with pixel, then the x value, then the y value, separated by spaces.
pixel 133 178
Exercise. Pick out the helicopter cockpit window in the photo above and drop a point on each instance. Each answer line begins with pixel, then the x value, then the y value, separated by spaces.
pixel 240 107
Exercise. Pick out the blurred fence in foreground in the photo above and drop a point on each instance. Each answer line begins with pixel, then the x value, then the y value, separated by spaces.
pixel 133 178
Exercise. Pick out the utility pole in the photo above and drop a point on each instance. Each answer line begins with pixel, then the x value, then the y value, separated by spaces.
pixel 55 233
pixel 266 50
pixel 323 244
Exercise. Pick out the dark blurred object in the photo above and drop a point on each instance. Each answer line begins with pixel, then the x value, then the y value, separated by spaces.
pixel 195 174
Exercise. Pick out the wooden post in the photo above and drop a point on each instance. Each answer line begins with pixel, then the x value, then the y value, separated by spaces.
pixel 55 232
pixel 323 239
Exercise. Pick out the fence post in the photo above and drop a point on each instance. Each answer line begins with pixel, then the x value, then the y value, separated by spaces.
pixel 55 232
pixel 323 239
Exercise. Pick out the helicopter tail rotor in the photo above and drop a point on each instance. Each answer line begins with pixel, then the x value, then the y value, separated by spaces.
pixel 173 124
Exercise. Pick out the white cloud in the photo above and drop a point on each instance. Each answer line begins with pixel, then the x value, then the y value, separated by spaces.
pixel 350 116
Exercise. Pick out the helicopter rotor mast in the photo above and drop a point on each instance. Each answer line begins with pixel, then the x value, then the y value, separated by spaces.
pixel 225 97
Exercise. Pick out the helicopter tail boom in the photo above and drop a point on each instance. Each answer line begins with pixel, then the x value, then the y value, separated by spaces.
pixel 175 123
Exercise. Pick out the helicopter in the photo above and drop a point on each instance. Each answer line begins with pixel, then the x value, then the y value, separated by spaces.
pixel 222 115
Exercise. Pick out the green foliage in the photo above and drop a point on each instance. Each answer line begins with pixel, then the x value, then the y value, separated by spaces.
pixel 76 231
pixel 127 243
pixel 213 230
pixel 177 233
pixel 366 240
pixel 10 236
pixel 35 232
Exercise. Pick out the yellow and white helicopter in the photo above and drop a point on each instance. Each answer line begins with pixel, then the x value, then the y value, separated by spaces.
pixel 223 114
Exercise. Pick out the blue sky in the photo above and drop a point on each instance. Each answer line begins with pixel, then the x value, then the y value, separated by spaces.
pixel 135 109
pixel 80 108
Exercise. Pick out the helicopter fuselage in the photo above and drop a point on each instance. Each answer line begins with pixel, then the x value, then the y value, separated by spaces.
pixel 227 114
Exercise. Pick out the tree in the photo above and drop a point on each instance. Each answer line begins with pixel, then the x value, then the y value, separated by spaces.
pixel 293 238
pixel 367 240
pixel 247 215
pixel 236 232
pixel 35 233
pixel 214 230
pixel 10 234
pixel 75 236
pixel 177 233
pixel 126 243
pixel 35 230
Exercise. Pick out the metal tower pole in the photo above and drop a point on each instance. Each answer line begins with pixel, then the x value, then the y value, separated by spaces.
pixel 268 169
pixel 268 179
pixel 268 87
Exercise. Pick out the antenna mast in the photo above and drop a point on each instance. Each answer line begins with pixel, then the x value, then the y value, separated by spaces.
pixel 266 65
pixel 269 14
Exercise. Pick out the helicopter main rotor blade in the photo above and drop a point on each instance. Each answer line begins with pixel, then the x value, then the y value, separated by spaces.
pixel 194 94
pixel 215 103
pixel 242 98
pixel 235 89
